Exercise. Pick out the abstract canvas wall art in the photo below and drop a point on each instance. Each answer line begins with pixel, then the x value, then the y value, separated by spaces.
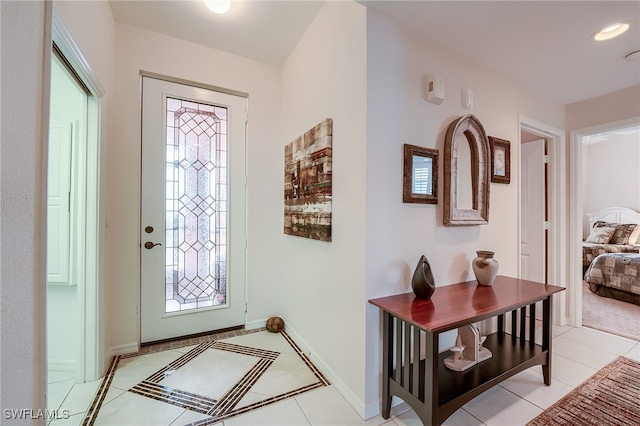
pixel 307 183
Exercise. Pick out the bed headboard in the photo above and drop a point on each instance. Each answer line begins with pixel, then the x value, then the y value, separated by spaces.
pixel 614 214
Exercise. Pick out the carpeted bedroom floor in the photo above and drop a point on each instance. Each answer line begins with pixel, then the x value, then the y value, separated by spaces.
pixel 610 315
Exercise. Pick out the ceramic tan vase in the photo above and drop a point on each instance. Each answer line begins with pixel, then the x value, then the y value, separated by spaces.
pixel 422 282
pixel 485 267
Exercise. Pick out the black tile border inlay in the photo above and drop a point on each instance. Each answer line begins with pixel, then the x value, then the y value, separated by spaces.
pixel 221 409
pixel 94 408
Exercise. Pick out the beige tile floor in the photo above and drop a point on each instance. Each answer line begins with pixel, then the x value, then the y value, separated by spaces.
pixel 578 353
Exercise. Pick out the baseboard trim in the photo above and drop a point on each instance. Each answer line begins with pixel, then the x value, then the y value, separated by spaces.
pixel 62 365
pixel 125 349
pixel 128 348
pixel 252 325
pixel 355 402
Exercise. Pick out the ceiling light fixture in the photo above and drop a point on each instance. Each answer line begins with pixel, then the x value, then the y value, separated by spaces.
pixel 218 6
pixel 611 31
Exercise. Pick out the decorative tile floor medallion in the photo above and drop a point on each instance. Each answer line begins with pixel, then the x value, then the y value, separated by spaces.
pixel 217 376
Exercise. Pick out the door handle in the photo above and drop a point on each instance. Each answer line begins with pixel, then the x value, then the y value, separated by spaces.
pixel 149 245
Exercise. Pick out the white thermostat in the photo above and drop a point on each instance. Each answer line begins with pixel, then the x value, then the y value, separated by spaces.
pixel 435 89
pixel 467 98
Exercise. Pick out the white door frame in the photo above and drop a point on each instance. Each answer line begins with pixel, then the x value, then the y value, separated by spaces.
pixel 576 213
pixel 91 358
pixel 557 200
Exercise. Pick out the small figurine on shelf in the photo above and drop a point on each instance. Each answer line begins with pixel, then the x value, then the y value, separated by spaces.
pixel 468 337
pixel 458 350
pixel 483 353
pixel 482 339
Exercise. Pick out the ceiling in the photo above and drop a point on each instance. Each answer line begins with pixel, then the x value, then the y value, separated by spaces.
pixel 545 45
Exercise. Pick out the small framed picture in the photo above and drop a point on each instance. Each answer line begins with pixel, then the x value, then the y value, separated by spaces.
pixel 500 160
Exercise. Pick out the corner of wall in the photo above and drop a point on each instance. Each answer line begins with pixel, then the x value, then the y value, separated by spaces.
pixel 363 410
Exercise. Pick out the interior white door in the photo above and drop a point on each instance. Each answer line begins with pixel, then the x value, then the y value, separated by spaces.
pixel 59 202
pixel 532 208
pixel 192 210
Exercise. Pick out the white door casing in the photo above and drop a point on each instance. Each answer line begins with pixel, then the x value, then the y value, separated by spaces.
pixel 557 207
pixel 175 217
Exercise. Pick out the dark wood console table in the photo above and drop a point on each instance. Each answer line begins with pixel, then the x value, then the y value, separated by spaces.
pixel 412 327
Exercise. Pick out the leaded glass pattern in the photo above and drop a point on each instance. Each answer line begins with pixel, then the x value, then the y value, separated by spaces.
pixel 196 205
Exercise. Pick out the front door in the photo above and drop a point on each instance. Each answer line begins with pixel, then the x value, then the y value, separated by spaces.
pixel 192 210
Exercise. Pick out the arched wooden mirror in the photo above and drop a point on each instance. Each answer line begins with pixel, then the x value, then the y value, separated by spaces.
pixel 466 173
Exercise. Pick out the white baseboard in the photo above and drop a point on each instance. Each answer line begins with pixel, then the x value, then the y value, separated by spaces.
pixel 122 350
pixel 374 409
pixel 252 325
pixel 355 402
pixel 62 365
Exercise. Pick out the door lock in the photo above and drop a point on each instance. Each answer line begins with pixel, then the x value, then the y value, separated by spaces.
pixel 148 229
pixel 149 245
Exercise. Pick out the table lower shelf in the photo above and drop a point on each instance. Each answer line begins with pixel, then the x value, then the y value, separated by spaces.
pixel 510 356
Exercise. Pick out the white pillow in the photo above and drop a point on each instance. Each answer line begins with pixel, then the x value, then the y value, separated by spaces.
pixel 634 238
pixel 601 235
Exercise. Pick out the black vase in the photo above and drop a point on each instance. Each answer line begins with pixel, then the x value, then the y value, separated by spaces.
pixel 422 282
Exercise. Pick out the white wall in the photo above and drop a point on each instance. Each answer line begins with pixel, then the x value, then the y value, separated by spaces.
pixel 62 328
pixel 611 174
pixel 144 50
pixel 25 61
pixel 397 233
pixel 603 109
pixel 322 284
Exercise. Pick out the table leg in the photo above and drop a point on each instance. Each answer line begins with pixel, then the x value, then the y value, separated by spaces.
pixel 387 357
pixel 546 338
pixel 430 410
pixel 532 325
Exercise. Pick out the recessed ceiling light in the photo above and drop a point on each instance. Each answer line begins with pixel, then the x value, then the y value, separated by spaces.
pixel 218 6
pixel 611 31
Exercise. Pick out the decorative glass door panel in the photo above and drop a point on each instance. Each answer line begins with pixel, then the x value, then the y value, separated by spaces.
pixel 192 254
pixel 196 225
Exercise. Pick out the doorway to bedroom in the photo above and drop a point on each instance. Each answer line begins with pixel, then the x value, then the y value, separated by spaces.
pixel 603 192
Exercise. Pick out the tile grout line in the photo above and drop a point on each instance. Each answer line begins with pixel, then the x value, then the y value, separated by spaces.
pixel 304 413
